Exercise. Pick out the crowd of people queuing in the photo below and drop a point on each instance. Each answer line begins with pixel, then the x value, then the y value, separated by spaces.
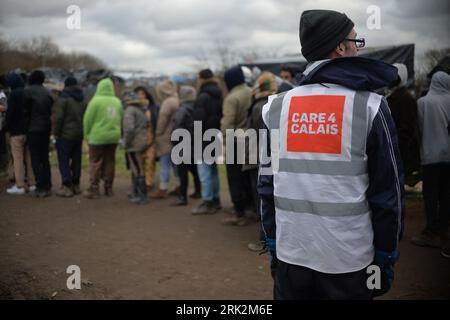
pixel 133 119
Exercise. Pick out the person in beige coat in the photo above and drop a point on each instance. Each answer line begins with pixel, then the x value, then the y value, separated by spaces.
pixel 235 113
pixel 167 93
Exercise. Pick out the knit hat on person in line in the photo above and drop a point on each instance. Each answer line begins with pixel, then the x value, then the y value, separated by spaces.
pixel 70 82
pixel 130 98
pixel 206 74
pixel 187 93
pixel 36 77
pixel 321 31
pixel 265 85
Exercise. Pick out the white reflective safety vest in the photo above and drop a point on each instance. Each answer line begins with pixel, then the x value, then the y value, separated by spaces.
pixel 323 220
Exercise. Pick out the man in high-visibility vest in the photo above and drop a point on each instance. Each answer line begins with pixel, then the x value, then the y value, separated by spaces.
pixel 332 182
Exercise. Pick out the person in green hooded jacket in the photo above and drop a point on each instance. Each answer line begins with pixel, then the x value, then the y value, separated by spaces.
pixel 102 131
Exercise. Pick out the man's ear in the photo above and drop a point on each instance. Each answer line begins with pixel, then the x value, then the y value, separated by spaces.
pixel 340 50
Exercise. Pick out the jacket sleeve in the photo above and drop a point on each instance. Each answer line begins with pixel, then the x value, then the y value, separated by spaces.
pixel 420 116
pixel 59 111
pixel 265 188
pixel 201 109
pixel 88 119
pixel 11 111
pixel 265 191
pixel 179 119
pixel 164 118
pixel 229 115
pixel 128 126
pixel 27 103
pixel 386 181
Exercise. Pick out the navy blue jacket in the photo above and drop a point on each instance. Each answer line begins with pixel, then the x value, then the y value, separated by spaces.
pixel 15 120
pixel 386 187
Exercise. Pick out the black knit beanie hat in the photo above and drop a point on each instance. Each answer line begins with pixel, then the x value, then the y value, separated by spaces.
pixel 206 74
pixel 36 77
pixel 321 31
pixel 70 82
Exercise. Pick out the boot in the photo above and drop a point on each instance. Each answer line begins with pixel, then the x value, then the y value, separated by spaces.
pixel 141 189
pixel 160 194
pixel 92 193
pixel 195 195
pixel 133 192
pixel 76 189
pixel 205 208
pixel 65 192
pixel 108 191
pixel 181 201
pixel 216 204
pixel 234 220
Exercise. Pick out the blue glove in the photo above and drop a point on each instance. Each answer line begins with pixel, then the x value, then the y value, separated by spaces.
pixel 271 245
pixel 386 261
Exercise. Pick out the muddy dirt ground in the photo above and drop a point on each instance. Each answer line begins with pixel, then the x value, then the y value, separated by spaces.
pixel 159 252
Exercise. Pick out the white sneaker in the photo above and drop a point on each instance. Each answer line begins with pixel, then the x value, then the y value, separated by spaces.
pixel 31 188
pixel 15 190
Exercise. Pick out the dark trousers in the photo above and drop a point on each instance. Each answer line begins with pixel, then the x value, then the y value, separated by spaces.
pixel 134 163
pixel 436 194
pixel 102 164
pixel 183 170
pixel 239 186
pixel 38 144
pixel 69 159
pixel 299 283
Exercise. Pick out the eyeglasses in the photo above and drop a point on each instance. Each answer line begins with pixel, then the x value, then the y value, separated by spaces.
pixel 360 43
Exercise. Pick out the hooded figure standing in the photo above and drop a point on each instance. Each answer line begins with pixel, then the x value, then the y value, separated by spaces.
pixel 208 110
pixel 15 125
pixel 403 108
pixel 135 142
pixel 235 113
pixel 434 118
pixel 167 92
pixel 333 192
pixel 102 130
pixel 68 131
pixel 38 103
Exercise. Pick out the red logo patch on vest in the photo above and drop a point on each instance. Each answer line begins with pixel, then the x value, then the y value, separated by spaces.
pixel 315 124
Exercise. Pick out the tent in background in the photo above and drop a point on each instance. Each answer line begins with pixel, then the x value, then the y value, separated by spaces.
pixel 389 54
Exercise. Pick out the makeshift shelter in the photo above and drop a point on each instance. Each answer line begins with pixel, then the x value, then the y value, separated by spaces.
pixel 389 54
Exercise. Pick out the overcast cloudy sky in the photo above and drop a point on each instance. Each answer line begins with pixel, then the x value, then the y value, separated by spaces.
pixel 168 36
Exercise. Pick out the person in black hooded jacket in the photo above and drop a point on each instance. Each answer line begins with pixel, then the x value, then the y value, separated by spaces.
pixel 38 102
pixel 68 131
pixel 208 110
